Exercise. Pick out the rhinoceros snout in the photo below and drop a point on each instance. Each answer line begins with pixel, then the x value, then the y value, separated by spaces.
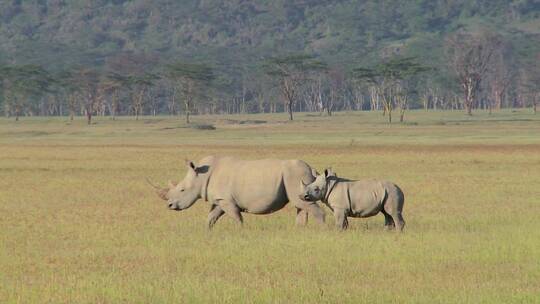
pixel 173 206
pixel 305 197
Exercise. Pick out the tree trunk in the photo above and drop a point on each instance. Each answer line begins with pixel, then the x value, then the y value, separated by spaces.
pixel 113 111
pixel 89 117
pixel 17 112
pixel 186 105
pixel 498 99
pixel 330 104
pixel 466 104
pixel 469 95
pixel 290 108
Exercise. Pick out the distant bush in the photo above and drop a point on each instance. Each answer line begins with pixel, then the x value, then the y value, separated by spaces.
pixel 410 123
pixel 252 121
pixel 243 122
pixel 202 127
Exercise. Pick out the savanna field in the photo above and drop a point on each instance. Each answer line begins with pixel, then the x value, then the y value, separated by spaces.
pixel 79 223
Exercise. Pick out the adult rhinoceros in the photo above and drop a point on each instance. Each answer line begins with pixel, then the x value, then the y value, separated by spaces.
pixel 233 186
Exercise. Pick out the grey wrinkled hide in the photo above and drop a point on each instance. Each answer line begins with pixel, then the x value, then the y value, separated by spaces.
pixel 361 198
pixel 233 186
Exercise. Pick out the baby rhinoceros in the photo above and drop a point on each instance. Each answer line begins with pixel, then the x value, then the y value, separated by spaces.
pixel 357 198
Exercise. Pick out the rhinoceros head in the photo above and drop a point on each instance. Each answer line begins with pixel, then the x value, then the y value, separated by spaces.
pixel 184 194
pixel 317 189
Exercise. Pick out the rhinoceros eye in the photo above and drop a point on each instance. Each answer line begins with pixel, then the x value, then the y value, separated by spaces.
pixel 182 190
pixel 317 189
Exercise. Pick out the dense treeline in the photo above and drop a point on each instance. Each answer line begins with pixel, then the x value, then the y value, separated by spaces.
pixel 136 57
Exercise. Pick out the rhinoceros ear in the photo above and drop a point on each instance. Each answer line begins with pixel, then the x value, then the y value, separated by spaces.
pixel 190 164
pixel 314 172
pixel 329 172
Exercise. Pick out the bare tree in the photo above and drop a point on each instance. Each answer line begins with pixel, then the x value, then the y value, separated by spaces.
pixel 500 83
pixel 87 81
pixel 336 81
pixel 470 56
pixel 402 101
pixel 531 83
pixel 190 79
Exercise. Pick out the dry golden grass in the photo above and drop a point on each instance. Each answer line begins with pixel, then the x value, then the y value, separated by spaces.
pixel 80 225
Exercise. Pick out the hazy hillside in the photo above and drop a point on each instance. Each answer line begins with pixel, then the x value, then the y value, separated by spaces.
pixel 56 32
pixel 234 38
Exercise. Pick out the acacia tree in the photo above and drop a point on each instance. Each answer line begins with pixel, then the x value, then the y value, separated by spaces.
pixel 22 83
pixel 190 79
pixel 141 84
pixel 470 56
pixel 112 84
pixel 336 79
pixel 67 87
pixel 531 83
pixel 391 82
pixel 500 77
pixel 291 73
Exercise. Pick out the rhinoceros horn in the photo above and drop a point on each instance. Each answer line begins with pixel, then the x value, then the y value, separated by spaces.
pixel 161 192
pixel 172 184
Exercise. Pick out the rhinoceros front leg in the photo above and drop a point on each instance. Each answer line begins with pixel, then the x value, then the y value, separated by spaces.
pixel 341 219
pixel 301 217
pixel 231 210
pixel 311 208
pixel 215 213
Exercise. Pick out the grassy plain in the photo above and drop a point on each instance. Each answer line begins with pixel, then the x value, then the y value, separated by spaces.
pixel 78 223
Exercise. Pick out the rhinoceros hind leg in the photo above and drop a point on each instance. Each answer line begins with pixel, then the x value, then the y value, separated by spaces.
pixel 215 213
pixel 398 219
pixel 388 221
